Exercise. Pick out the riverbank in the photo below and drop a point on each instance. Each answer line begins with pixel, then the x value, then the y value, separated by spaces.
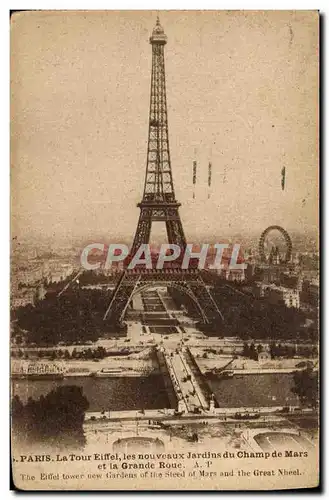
pixel 107 367
pixel 247 366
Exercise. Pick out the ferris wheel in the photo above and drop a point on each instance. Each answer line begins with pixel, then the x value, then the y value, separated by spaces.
pixel 275 245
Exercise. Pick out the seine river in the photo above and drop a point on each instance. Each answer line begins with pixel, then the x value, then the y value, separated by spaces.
pixel 130 393
pixel 113 393
pixel 254 390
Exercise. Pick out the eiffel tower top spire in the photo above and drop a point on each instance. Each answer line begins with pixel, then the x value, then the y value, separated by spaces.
pixel 158 35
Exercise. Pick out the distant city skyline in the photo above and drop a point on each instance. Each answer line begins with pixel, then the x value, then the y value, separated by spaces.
pixel 242 92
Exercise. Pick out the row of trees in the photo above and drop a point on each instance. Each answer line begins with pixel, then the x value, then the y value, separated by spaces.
pixel 249 318
pixel 251 351
pixel 94 278
pixel 53 354
pixel 56 419
pixel 74 317
pixel 278 350
pixel 284 351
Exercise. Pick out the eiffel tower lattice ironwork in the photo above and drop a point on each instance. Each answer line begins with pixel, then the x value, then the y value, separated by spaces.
pixel 159 204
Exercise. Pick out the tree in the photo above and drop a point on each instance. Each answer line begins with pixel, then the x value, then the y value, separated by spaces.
pixel 246 350
pixel 56 418
pixel 16 406
pixel 273 350
pixel 306 386
pixel 253 353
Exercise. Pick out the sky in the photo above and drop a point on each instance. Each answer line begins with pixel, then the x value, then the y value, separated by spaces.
pixel 242 92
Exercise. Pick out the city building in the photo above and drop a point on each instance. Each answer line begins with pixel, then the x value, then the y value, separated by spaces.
pixel 232 274
pixel 24 298
pixel 310 292
pixel 289 280
pixel 56 270
pixel 280 295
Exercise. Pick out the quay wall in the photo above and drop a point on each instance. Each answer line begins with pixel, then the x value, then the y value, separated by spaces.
pixel 202 382
pixel 167 379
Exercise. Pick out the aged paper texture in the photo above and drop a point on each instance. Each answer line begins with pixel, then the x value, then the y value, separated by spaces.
pixel 164 250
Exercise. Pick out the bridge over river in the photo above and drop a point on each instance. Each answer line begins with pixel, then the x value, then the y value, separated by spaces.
pixel 191 391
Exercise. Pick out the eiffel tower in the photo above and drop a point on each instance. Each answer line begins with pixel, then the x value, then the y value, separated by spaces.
pixel 159 204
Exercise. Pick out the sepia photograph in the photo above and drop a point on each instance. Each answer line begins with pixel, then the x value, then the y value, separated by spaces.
pixel 164 240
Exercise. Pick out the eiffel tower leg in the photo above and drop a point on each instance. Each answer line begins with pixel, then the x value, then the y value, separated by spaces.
pixel 143 231
pixel 121 298
pixel 202 299
pixel 175 232
pixel 206 302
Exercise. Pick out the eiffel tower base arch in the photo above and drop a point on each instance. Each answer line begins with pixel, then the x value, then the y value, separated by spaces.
pixel 188 282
